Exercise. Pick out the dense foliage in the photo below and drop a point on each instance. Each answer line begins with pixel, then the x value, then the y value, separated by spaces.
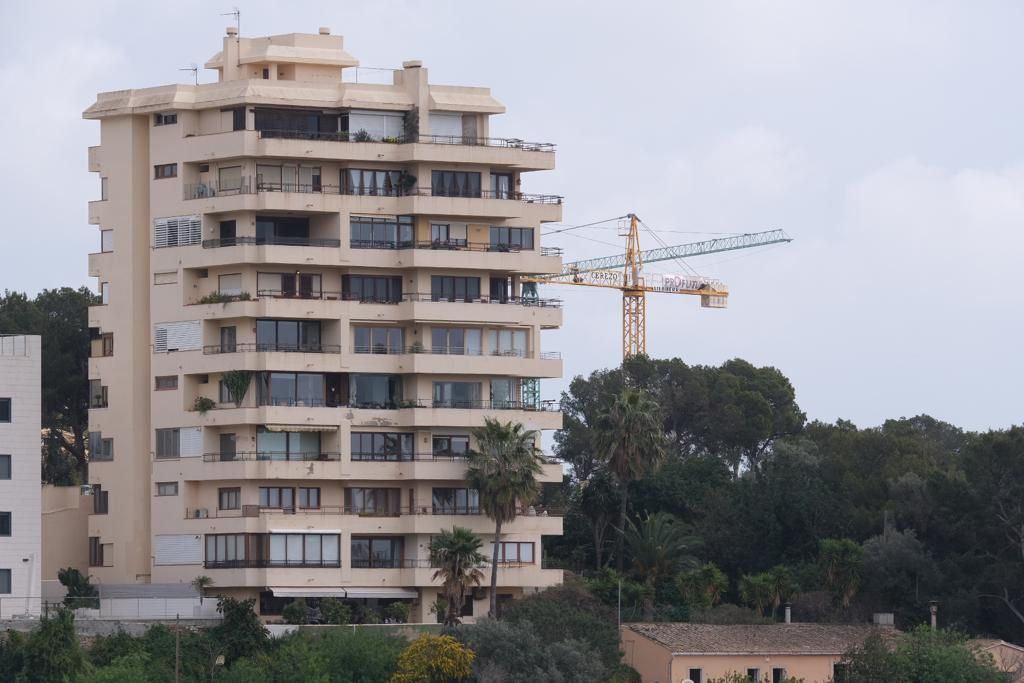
pixel 921 656
pixel 841 521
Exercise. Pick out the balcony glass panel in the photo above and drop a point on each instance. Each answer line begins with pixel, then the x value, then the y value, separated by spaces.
pixel 457 394
pixel 375 391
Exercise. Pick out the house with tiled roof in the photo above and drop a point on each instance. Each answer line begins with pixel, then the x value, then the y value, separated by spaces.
pixel 765 653
pixel 1008 658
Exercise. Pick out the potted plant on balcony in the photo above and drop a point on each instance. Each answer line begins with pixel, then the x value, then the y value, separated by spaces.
pixel 201 583
pixel 417 347
pixel 203 404
pixel 406 182
pixel 411 125
pixel 237 384
pixel 362 135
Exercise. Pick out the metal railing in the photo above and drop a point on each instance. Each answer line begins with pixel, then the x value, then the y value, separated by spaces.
pixel 428 510
pixel 472 141
pixel 271 456
pixel 450 245
pixel 271 241
pixel 329 136
pixel 248 347
pixel 382 350
pixel 363 136
pixel 271 564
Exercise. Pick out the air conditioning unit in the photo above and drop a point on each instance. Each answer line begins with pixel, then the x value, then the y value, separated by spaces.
pixel 200 513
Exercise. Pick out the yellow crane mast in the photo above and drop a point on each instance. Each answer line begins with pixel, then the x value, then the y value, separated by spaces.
pixel 625 273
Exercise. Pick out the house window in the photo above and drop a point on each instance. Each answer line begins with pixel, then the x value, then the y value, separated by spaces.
pixel 95 552
pixel 287 445
pixel 100 448
pixel 104 186
pixel 455 184
pixel 450 288
pixel 507 342
pixel 104 293
pixel 379 289
pixel 165 171
pixel 373 183
pixel 229 499
pixel 161 119
pixel 309 498
pixel 446 235
pixel 5 410
pixel 778 675
pixel 97 394
pixel 456 341
pixel 168 443
pixel 166 382
pixel 100 500
pixel 696 675
pixel 288 335
pixel 375 391
pixel 381 446
pixel 457 395
pixel 5 523
pixel 107 342
pixel 378 339
pixel 511 239
pixel 277 497
pixel 167 488
pixel 230 284
pixel 377 552
pixel 5 466
pixel 5 581
pixel 451 446
pixel 754 675
pixel 449 501
pixel 366 501
pixel 106 241
pixel 512 552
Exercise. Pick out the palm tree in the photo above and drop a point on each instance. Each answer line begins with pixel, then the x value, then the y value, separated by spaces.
pixel 660 548
pixel 503 468
pixel 631 437
pixel 457 558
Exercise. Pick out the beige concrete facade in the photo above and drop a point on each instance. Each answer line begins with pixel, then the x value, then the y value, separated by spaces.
pixel 65 525
pixel 357 250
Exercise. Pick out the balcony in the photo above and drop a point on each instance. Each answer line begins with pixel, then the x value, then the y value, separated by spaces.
pixel 423 361
pixel 215 349
pixel 272 241
pixel 260 456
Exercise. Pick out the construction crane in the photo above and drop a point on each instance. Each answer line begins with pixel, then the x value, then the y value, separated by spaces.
pixel 625 272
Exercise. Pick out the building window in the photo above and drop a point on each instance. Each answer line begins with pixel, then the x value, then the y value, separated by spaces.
pixel 377 553
pixel 511 239
pixel 309 389
pixel 162 119
pixel 229 338
pixel 100 449
pixel 373 183
pixel 450 446
pixel 451 288
pixel 5 581
pixel 457 395
pixel 165 171
pixel 167 488
pixel 287 445
pixel 168 443
pixel 288 335
pixel 166 382
pixel 5 523
pixel 273 550
pixel 177 231
pixel 366 501
pixel 286 231
pixel 100 500
pixel 446 235
pixel 372 232
pixel 696 675
pixel 508 342
pixel 97 394
pixel 229 499
pixel 778 675
pixel 5 466
pixel 455 341
pixel 5 410
pixel 277 498
pixel 309 498
pixel 230 284
pixel 95 552
pixel 449 501
pixel 106 241
pixel 104 186
pixel 375 391
pixel 290 285
pixel 754 675
pixel 382 446
pixel 512 552
pixel 107 343
pixel 455 184
pixel 381 289
pixel 238 118
pixel 378 340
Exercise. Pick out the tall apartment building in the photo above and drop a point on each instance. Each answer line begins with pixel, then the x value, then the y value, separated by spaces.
pixel 20 481
pixel 310 296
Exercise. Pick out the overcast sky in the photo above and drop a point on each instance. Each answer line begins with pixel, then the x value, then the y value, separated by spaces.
pixel 885 137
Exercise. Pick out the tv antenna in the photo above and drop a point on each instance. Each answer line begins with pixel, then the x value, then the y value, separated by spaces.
pixel 237 14
pixel 195 72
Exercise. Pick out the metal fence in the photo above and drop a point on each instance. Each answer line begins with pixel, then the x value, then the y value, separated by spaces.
pixel 120 608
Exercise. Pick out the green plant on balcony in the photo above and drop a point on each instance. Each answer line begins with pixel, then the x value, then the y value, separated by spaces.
pixel 237 382
pixel 362 136
pixel 296 612
pixel 406 181
pixel 201 583
pixel 411 124
pixel 203 404
pixel 408 403
pixel 391 139
pixel 333 611
pixel 417 347
pixel 397 613
pixel 218 298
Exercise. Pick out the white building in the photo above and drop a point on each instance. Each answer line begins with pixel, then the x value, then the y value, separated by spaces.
pixel 20 487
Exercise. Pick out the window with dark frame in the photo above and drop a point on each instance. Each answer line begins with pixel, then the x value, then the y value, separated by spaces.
pixel 5 581
pixel 5 466
pixel 238 118
pixel 165 171
pixel 5 523
pixel 377 552
pixel 162 119
pixel 778 675
pixel 107 342
pixel 167 488
pixel 309 497
pixel 754 675
pixel 696 675
pixel 382 289
pixel 100 500
pixel 168 443
pixel 277 498
pixel 166 382
pixel 455 184
pixel 383 340
pixel 455 501
pixel 450 446
pixel 511 239
pixel 516 552
pixel 384 446
pixel 373 501
pixel 5 410
pixel 454 288
pixel 229 498
pixel 95 552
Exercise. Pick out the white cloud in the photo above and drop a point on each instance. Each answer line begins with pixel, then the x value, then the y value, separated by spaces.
pixel 756 161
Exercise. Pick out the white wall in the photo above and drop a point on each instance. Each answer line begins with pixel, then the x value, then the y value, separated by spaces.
pixel 21 495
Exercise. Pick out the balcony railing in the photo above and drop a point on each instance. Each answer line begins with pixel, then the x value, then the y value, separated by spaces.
pixel 450 245
pixel 271 241
pixel 327 295
pixel 267 456
pixel 429 510
pixel 271 564
pixel 247 347
pixel 381 350
pixel 363 136
pixel 248 186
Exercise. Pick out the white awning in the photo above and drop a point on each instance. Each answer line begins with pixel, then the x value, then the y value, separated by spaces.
pixel 380 592
pixel 310 592
pixel 301 428
pixel 304 531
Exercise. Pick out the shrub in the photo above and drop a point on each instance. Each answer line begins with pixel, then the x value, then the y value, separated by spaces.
pixel 434 659
pixel 397 612
pixel 237 384
pixel 509 652
pixel 334 611
pixel 296 612
pixel 203 404
pixel 80 593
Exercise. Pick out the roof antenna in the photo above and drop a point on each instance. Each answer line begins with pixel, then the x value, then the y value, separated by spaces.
pixel 237 14
pixel 195 72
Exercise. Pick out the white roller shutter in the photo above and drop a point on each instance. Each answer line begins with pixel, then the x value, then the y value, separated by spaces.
pixel 169 277
pixel 177 231
pixel 378 124
pixel 178 549
pixel 190 444
pixel 446 123
pixel 180 336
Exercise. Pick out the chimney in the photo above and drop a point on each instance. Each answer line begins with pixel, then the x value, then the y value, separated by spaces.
pixel 325 31
pixel 230 55
pixel 789 613
pixel 933 607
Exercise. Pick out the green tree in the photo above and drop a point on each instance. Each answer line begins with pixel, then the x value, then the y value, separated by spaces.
pixel 127 669
pixel 503 468
pixel 920 656
pixel 598 499
pixel 334 611
pixel 703 586
pixel 756 591
pixel 52 653
pixel 457 558
pixel 631 439
pixel 240 633
pixel 841 562
pixel 434 659
pixel 296 612
pixel 78 591
pixel 515 652
pixel 660 547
